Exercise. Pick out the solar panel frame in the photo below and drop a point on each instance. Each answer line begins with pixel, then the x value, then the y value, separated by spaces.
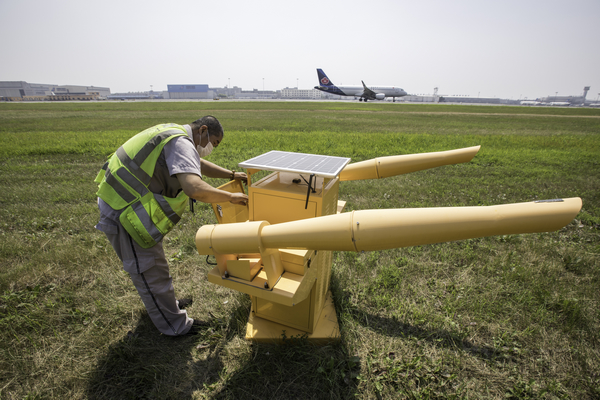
pixel 285 161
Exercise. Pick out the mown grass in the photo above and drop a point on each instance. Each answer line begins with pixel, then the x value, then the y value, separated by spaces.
pixel 501 317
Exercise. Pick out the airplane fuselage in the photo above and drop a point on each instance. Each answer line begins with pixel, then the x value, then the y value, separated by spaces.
pixel 357 91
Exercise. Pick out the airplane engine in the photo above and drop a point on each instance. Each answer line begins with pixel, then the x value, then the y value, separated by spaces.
pixel 380 96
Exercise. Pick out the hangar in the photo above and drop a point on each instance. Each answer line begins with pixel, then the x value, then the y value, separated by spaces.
pixel 21 90
pixel 189 92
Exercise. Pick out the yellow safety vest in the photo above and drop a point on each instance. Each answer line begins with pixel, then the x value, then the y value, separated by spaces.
pixel 124 180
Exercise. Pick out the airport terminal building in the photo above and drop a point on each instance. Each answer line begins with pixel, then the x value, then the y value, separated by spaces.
pixel 21 90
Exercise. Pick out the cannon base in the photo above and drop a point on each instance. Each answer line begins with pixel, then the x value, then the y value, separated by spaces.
pixel 326 331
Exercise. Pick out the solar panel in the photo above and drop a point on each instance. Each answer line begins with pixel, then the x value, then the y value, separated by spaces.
pixel 324 166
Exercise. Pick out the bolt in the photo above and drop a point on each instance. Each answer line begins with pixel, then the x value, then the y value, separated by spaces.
pixel 266 285
pixel 226 274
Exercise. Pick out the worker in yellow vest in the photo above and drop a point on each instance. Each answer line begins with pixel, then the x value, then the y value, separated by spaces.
pixel 143 190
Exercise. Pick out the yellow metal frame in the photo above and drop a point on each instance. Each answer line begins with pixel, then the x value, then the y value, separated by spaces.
pixel 326 330
pixel 277 198
pixel 288 286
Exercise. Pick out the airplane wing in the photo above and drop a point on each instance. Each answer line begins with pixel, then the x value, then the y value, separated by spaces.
pixel 368 93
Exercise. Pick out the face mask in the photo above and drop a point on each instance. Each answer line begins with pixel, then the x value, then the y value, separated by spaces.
pixel 206 150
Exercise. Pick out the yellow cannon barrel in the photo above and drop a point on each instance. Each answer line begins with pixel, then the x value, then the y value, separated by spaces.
pixel 387 229
pixel 384 167
pixel 243 237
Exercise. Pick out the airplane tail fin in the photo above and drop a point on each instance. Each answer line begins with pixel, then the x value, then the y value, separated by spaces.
pixel 323 79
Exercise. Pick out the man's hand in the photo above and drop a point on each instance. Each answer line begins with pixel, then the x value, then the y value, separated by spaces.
pixel 241 176
pixel 239 198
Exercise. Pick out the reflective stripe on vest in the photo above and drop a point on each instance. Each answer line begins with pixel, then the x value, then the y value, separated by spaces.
pixel 133 166
pixel 166 207
pixel 118 187
pixel 144 217
pixel 129 179
pixel 145 151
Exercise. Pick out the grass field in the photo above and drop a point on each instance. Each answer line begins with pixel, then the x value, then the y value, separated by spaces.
pixel 513 316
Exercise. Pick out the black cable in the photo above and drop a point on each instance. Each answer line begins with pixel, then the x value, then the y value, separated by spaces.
pixel 209 263
pixel 304 179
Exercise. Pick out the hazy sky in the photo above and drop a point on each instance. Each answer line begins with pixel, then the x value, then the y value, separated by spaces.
pixel 504 48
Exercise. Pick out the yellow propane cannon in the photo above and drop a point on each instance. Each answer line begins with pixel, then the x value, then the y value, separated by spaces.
pixel 384 167
pixel 278 249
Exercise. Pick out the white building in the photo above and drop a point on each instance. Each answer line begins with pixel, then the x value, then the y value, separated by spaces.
pixel 295 93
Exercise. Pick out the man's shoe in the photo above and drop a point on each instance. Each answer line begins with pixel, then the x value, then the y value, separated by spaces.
pixel 197 327
pixel 183 303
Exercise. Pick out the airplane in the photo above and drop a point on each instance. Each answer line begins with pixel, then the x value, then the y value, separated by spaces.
pixel 363 93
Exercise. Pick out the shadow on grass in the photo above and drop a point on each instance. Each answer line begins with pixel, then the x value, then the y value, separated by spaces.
pixel 294 370
pixel 145 364
pixel 395 327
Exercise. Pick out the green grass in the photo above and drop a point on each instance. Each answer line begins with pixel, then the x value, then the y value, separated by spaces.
pixel 501 317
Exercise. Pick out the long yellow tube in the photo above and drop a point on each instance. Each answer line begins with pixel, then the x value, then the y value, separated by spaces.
pixel 387 229
pixel 384 167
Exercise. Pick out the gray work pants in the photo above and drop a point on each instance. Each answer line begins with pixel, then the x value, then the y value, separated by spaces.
pixel 149 272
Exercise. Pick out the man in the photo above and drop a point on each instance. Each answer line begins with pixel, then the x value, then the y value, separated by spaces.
pixel 143 191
